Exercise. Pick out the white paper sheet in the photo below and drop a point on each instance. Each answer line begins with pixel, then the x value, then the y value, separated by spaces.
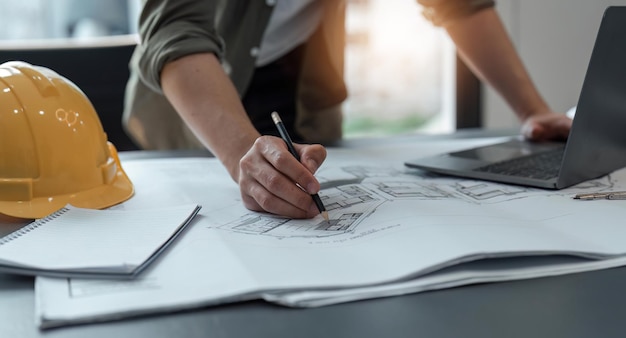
pixel 87 243
pixel 388 225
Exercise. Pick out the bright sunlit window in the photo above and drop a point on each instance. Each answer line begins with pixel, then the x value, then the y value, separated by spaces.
pixel 399 70
pixel 45 19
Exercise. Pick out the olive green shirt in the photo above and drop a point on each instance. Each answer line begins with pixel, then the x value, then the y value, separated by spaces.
pixel 232 30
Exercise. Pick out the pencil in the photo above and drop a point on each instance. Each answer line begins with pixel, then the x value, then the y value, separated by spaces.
pixel 285 136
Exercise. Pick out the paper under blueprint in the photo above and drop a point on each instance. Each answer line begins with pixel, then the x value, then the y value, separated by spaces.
pixel 393 230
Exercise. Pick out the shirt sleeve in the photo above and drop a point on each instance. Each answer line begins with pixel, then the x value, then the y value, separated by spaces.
pixel 442 12
pixel 170 29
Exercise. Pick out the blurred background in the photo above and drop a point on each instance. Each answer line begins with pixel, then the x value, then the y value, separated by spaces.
pixel 402 73
pixel 45 19
pixel 395 59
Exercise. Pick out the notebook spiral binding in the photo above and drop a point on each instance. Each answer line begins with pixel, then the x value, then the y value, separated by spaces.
pixel 32 226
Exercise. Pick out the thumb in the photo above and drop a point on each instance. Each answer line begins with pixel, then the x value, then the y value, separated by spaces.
pixel 312 156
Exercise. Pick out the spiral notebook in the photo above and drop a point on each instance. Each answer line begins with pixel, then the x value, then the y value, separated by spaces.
pixel 76 242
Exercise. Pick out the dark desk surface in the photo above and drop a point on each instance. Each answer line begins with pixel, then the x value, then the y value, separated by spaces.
pixel 589 304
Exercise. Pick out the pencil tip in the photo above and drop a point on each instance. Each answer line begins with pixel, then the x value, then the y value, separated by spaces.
pixel 325 215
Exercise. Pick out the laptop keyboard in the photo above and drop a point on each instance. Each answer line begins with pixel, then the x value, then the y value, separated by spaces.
pixel 544 165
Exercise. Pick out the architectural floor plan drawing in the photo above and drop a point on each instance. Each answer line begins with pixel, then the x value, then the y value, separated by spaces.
pixel 340 223
pixel 351 193
pixel 346 205
pixel 394 184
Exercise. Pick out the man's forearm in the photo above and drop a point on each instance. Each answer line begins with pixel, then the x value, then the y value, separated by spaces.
pixel 207 101
pixel 484 44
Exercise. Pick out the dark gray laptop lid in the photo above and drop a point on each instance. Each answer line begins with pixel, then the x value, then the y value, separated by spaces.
pixel 597 142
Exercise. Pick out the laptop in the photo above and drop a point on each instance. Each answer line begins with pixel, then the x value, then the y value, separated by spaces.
pixel 596 145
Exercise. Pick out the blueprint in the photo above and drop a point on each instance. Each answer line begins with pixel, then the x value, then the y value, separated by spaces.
pixel 392 230
pixel 361 190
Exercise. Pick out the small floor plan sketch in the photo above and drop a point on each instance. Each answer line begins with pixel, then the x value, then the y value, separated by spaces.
pixel 346 205
pixel 253 224
pixel 482 191
pixel 347 196
pixel 402 189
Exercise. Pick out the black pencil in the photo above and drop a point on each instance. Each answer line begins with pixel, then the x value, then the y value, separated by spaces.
pixel 285 136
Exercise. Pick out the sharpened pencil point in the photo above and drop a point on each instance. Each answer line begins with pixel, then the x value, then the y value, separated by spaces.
pixel 325 215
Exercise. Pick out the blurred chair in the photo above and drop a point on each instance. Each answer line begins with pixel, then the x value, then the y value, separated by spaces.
pixel 98 66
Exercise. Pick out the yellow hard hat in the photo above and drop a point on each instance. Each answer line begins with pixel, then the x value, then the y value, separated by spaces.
pixel 53 150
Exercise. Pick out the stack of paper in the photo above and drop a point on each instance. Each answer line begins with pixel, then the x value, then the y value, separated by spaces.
pixel 392 231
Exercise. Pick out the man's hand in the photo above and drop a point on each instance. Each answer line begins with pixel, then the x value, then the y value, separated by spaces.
pixel 483 43
pixel 272 180
pixel 548 126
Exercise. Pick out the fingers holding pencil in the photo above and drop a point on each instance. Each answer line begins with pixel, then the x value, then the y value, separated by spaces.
pixel 282 130
pixel 268 173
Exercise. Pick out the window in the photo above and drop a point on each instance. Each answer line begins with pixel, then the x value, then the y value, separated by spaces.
pixel 88 41
pixel 399 70
pixel 44 19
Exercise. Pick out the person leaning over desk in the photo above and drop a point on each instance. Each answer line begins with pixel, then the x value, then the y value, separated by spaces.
pixel 207 74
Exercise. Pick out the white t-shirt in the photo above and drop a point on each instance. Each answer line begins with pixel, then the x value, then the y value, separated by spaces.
pixel 292 23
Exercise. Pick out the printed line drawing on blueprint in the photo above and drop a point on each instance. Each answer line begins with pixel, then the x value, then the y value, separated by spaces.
pixel 352 193
pixel 489 192
pixel 407 184
pixel 475 192
pixel 347 206
pixel 396 184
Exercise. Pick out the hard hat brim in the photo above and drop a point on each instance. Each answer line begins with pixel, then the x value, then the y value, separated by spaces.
pixel 117 191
